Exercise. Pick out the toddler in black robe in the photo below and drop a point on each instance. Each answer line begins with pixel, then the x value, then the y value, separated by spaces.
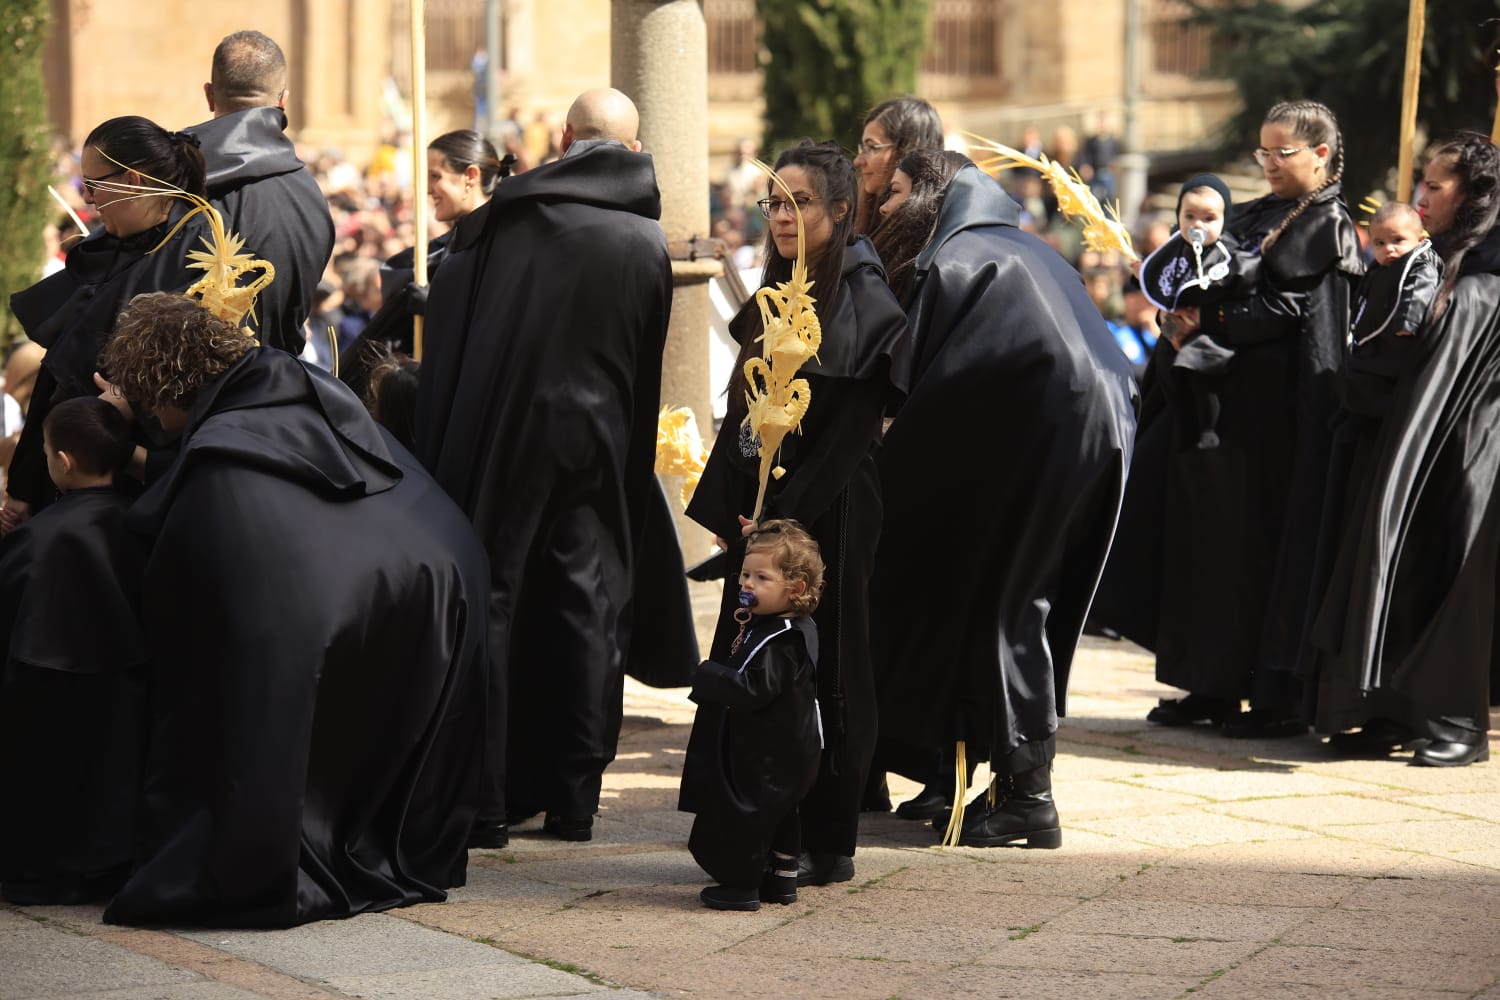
pixel 1393 299
pixel 756 741
pixel 1199 266
pixel 72 686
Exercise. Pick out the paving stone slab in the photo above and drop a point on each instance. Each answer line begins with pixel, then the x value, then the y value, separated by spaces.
pixel 947 909
pixel 1214 884
pixel 776 976
pixel 1094 798
pixel 1476 805
pixel 11 920
pixel 370 944
pixel 511 981
pixel 1430 896
pixel 184 991
pixel 1230 786
pixel 821 936
pixel 1433 837
pixel 1313 855
pixel 1064 952
pixel 1333 968
pixel 1238 985
pixel 1468 932
pixel 1031 984
pixel 1191 829
pixel 1150 918
pixel 83 919
pixel 1316 812
pixel 654 868
pixel 1079 879
pixel 39 961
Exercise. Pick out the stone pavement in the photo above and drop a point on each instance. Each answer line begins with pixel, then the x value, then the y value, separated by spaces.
pixel 1191 866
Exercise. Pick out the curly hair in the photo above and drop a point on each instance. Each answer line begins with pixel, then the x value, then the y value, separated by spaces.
pixel 797 556
pixel 166 347
pixel 1475 163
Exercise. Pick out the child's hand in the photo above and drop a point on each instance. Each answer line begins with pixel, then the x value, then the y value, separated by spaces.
pixel 747 526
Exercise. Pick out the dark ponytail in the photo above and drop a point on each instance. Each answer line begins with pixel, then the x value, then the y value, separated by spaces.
pixel 145 147
pixel 466 148
pixel 1475 163
pixel 1314 124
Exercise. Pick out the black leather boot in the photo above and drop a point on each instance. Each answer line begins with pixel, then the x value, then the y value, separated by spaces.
pixel 1024 815
pixel 1455 742
pixel 780 882
pixel 976 808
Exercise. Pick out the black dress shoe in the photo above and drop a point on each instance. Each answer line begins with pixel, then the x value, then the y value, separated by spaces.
pixel 1446 753
pixel 578 828
pixel 1378 737
pixel 722 897
pixel 489 835
pixel 821 869
pixel 928 804
pixel 779 886
pixel 1260 723
pixel 1192 709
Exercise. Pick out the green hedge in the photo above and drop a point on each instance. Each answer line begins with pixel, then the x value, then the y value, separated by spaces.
pixel 25 158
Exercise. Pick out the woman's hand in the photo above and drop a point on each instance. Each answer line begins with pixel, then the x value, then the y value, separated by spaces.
pixel 1180 326
pixel 747 526
pixel 723 545
pixel 111 394
pixel 12 513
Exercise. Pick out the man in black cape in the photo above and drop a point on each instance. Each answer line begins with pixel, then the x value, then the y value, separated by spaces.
pixel 1002 478
pixel 257 182
pixel 537 413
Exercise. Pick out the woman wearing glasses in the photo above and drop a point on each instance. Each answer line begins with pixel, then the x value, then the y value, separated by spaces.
pixel 831 484
pixel 1405 634
pixel 72 313
pixel 1241 520
pixel 892 129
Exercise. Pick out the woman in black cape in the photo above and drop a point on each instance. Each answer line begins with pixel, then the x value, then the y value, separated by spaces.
pixel 831 485
pixel 1405 629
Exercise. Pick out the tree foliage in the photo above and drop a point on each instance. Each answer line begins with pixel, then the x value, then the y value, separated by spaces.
pixel 827 62
pixel 25 160
pixel 1350 54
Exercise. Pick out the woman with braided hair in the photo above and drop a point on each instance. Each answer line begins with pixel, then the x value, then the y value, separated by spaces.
pixel 1405 631
pixel 1240 522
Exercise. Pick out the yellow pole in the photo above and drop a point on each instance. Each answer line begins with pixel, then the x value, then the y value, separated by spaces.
pixel 419 157
pixel 1416 23
pixel 1495 129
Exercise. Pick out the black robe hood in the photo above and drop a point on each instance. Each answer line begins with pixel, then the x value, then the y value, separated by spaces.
pixel 973 199
pixel 284 418
pixel 246 146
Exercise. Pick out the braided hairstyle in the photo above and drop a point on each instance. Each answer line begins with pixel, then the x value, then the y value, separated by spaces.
pixel 1475 164
pixel 1315 125
pixel 912 124
pixel 907 231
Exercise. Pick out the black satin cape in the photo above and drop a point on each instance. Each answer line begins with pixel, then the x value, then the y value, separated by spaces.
pixel 1002 475
pixel 1214 572
pixel 314 610
pixel 391 328
pixel 832 487
pixel 269 197
pixel 72 314
pixel 72 691
pixel 1406 624
pixel 754 750
pixel 537 413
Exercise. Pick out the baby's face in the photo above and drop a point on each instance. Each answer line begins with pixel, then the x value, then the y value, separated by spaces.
pixel 1202 208
pixel 1394 238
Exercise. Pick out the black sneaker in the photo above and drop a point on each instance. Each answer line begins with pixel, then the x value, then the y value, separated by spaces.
pixel 578 828
pixel 722 897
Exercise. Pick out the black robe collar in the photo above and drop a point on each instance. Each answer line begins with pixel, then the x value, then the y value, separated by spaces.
pixel 1305 249
pixel 246 146
pixel 973 199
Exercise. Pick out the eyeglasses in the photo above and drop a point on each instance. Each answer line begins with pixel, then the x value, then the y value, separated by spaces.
pixel 92 183
pixel 770 206
pixel 1264 156
pixel 871 148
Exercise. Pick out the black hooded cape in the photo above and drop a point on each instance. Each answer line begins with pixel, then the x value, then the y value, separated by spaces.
pixel 268 196
pixel 391 328
pixel 755 746
pixel 72 693
pixel 832 487
pixel 314 611
pixel 537 413
pixel 72 314
pixel 1216 572
pixel 1003 474
pixel 1406 624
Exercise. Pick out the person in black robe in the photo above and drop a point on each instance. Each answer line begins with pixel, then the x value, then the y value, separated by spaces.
pixel 1405 626
pixel 756 740
pixel 1005 468
pixel 463 169
pixel 1236 526
pixel 261 187
pixel 72 312
pixel 830 486
pixel 73 676
pixel 313 607
pixel 1397 292
pixel 537 413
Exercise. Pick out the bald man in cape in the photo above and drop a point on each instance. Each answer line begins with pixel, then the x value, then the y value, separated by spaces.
pixel 537 413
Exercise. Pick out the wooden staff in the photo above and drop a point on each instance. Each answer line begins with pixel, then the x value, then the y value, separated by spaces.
pixel 1495 129
pixel 419 159
pixel 1416 23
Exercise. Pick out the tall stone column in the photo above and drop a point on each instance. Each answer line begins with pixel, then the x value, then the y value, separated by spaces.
pixel 659 56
